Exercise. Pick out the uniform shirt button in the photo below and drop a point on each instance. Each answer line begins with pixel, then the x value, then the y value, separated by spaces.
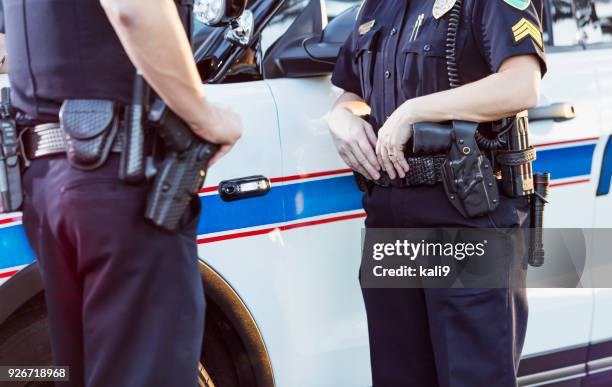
pixel 393 31
pixel 427 48
pixel 387 74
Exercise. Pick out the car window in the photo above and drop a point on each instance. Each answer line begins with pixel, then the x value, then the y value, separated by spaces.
pixel 580 22
pixel 291 10
pixel 595 20
pixel 279 24
pixel 564 31
pixel 336 7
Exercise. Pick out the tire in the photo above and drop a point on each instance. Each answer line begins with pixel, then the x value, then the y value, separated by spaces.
pixel 224 354
pixel 24 341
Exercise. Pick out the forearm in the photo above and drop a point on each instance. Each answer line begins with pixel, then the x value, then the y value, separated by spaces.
pixel 3 57
pixel 346 106
pixel 353 103
pixel 497 96
pixel 154 38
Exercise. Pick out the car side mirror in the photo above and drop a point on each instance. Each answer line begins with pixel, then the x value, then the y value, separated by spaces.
pixel 218 12
pixel 309 52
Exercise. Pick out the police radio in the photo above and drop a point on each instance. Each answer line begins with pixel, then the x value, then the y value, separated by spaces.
pixel 11 193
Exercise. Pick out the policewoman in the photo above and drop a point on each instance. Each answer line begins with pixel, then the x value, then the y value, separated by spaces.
pixel 395 67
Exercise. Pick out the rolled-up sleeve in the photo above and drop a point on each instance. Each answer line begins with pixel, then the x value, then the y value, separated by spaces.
pixel 509 28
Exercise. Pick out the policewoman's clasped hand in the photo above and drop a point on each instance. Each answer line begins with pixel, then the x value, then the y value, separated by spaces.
pixel 392 140
pixel 355 141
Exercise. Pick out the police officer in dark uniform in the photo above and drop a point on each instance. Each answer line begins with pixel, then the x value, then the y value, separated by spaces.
pixel 125 299
pixel 395 66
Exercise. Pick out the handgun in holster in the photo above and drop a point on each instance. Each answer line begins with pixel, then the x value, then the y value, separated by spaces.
pixel 11 191
pixel 182 171
pixel 470 177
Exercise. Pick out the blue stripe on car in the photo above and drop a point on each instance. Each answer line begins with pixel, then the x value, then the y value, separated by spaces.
pixel 603 188
pixel 14 247
pixel 301 200
pixel 566 162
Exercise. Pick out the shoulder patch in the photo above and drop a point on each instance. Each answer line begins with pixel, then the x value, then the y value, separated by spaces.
pixel 519 4
pixel 524 28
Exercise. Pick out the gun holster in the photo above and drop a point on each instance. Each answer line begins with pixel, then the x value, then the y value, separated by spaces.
pixel 90 127
pixel 182 171
pixel 11 191
pixel 467 175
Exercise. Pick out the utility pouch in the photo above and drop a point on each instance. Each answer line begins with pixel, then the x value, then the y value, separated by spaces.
pixel 90 127
pixel 468 177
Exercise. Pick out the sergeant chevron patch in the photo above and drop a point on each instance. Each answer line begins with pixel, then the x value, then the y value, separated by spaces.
pixel 525 28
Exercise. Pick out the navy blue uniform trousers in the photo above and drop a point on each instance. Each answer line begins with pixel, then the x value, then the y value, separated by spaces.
pixel 443 337
pixel 125 299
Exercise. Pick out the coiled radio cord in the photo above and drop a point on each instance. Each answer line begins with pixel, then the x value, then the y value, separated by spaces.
pixel 454 78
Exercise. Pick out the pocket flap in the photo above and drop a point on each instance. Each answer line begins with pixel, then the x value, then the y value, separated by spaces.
pixel 83 119
pixel 437 49
pixel 367 41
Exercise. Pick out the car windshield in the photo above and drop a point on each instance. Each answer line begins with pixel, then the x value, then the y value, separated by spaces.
pixel 333 7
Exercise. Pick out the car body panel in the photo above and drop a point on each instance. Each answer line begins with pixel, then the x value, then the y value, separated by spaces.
pixel 293 255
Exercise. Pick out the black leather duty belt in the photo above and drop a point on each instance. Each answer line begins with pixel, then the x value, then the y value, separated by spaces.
pixel 422 170
pixel 48 140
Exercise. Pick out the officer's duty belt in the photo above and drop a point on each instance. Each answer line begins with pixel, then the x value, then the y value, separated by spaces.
pixel 48 140
pixel 422 170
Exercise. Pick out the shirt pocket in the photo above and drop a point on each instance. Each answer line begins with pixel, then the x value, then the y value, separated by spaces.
pixel 366 49
pixel 423 61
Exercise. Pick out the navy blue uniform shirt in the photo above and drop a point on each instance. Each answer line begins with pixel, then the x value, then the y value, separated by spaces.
pixel 61 49
pixel 397 49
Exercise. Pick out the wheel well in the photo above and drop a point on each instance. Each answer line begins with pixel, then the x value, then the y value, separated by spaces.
pixel 228 303
pixel 18 290
pixel 24 291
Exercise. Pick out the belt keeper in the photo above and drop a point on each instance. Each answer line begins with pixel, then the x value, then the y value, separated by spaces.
pixel 22 150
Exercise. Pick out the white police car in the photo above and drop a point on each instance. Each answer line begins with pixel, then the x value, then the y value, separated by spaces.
pixel 284 305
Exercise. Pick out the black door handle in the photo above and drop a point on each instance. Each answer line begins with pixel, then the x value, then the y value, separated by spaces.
pixel 244 188
pixel 562 111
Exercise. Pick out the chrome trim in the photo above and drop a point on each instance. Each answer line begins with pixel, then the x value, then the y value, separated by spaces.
pixel 558 375
pixel 599 365
pixel 242 28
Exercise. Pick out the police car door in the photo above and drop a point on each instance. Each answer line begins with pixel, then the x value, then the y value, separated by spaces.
pixel 234 231
pixel 567 131
pixel 324 330
pixel 595 21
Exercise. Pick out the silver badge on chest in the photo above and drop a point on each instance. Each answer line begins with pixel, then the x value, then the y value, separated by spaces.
pixel 441 7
